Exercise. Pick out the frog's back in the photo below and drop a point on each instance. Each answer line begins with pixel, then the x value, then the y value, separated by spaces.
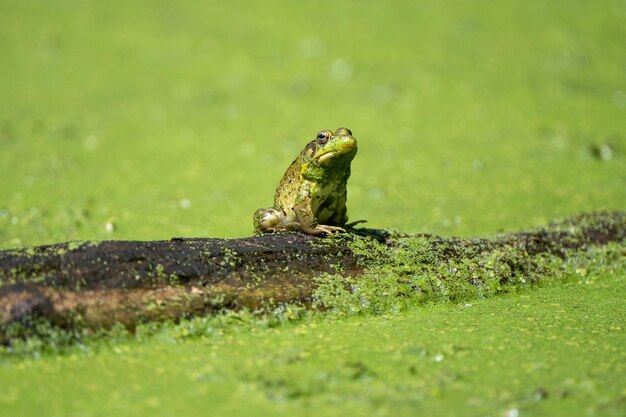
pixel 289 187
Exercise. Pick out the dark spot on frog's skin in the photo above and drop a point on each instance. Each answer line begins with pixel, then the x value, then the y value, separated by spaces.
pixel 309 151
pixel 328 203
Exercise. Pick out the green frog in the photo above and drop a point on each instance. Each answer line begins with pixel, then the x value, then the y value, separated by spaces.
pixel 311 196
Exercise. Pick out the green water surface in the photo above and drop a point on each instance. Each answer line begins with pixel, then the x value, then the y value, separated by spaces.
pixel 549 352
pixel 164 120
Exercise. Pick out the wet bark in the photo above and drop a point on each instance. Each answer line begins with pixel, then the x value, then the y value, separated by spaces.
pixel 98 284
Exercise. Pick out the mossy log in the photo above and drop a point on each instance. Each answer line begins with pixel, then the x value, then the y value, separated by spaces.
pixel 98 284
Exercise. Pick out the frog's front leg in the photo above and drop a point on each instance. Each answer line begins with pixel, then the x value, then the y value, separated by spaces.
pixel 308 223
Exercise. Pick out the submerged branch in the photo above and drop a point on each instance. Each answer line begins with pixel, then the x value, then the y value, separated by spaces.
pixel 99 284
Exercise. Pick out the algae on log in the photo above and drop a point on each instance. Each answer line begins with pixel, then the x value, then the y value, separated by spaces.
pixel 98 284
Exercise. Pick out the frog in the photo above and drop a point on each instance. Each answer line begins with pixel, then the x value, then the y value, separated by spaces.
pixel 311 196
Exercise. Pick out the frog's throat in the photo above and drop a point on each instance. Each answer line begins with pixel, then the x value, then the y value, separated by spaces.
pixel 322 159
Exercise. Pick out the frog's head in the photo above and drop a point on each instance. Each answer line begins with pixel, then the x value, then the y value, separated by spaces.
pixel 329 152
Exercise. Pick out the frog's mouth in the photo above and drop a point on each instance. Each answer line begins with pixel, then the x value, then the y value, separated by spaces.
pixel 344 146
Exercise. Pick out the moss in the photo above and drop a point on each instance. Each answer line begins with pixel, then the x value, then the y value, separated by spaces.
pixel 78 244
pixel 406 270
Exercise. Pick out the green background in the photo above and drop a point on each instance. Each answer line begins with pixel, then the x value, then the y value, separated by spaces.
pixel 171 119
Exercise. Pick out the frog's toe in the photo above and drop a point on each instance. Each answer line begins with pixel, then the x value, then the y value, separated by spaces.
pixel 330 229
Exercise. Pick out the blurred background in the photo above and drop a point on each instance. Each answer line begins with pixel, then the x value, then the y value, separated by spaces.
pixel 147 120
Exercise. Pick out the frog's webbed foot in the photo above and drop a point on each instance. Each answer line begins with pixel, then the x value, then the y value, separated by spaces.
pixel 327 229
pixel 321 229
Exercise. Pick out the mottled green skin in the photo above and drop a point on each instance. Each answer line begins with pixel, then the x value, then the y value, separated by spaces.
pixel 311 196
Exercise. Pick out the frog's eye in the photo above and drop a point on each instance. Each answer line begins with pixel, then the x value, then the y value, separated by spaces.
pixel 323 137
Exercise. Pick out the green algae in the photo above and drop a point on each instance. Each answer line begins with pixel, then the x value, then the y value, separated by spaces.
pixel 412 334
pixel 558 350
pixel 413 275
pixel 464 126
pixel 403 270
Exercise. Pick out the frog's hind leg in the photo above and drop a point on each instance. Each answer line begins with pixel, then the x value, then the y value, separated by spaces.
pixel 269 220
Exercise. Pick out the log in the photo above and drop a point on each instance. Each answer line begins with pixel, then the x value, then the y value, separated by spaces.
pixel 99 284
